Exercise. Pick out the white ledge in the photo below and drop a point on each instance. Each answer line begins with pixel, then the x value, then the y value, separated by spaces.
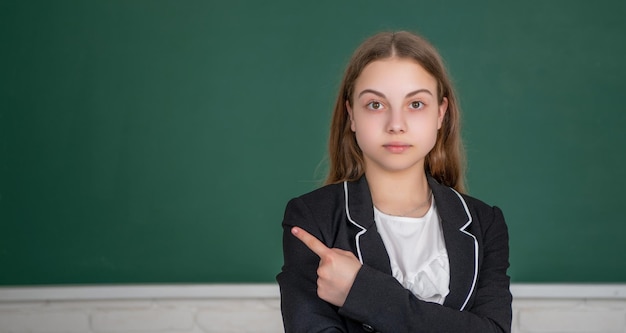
pixel 557 290
pixel 116 292
pixel 270 290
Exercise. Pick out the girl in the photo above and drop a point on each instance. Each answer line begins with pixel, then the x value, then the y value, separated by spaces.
pixel 391 244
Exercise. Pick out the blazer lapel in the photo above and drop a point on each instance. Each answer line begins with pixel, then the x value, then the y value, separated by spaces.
pixel 360 212
pixel 461 245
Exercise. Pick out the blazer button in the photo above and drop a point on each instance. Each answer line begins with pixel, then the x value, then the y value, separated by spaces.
pixel 368 328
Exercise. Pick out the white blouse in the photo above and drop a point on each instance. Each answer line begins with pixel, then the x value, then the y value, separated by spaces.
pixel 417 251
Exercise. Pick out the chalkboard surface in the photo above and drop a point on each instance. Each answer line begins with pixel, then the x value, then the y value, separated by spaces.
pixel 159 141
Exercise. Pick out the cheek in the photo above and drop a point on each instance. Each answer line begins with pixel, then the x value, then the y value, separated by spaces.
pixel 364 126
pixel 425 131
pixel 432 137
pixel 364 135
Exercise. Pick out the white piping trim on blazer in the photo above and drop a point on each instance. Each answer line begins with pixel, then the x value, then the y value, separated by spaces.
pixel 462 229
pixel 363 230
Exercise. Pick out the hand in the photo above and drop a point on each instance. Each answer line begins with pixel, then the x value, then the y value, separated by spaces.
pixel 337 269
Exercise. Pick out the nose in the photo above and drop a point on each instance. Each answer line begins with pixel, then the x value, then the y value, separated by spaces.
pixel 396 122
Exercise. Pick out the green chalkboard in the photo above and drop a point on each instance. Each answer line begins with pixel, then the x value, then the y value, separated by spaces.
pixel 159 141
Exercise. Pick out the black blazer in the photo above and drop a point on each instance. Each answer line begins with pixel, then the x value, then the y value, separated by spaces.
pixel 342 216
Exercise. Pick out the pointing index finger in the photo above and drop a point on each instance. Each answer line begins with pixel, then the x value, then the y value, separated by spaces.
pixel 310 241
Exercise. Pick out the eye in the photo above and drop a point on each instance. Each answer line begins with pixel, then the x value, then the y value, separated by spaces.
pixel 417 105
pixel 374 105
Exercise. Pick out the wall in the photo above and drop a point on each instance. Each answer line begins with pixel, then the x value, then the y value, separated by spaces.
pixel 256 308
pixel 127 125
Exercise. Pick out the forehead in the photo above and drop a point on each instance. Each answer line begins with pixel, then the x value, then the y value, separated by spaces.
pixel 395 74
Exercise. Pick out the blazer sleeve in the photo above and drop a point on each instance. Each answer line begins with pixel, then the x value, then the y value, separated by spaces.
pixel 380 301
pixel 302 309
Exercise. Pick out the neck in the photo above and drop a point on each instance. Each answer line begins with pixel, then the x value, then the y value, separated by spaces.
pixel 398 193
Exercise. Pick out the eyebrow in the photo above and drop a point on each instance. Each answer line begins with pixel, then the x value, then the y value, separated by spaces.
pixel 378 93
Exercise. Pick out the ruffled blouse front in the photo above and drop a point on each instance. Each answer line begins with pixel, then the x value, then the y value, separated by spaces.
pixel 417 252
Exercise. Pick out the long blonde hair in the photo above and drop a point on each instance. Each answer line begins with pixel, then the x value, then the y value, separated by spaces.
pixel 445 162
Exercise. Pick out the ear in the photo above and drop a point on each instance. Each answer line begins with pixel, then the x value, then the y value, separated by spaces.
pixel 351 115
pixel 443 108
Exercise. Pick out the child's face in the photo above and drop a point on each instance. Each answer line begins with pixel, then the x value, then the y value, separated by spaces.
pixel 395 114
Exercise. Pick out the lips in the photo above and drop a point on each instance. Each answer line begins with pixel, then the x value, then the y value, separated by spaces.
pixel 396 147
